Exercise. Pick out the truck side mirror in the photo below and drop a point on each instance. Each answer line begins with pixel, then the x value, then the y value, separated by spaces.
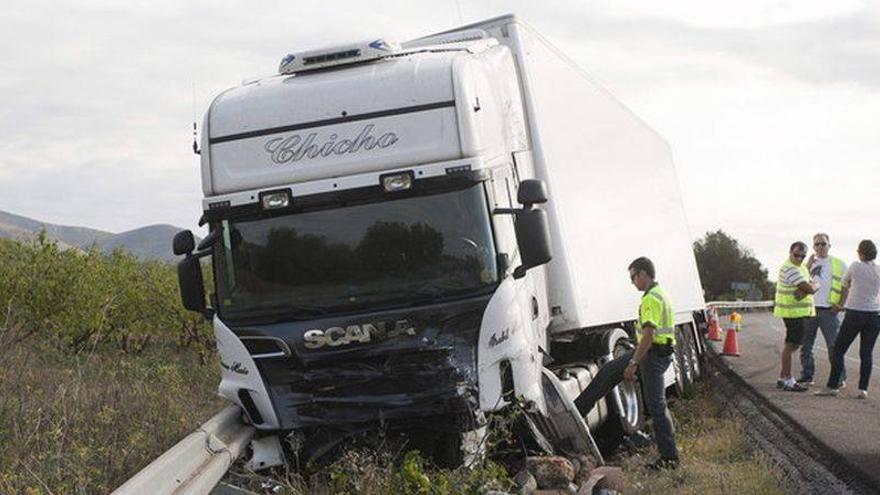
pixel 533 237
pixel 184 242
pixel 192 286
pixel 531 191
pixel 210 240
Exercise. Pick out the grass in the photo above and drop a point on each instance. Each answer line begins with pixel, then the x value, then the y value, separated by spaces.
pixel 716 458
pixel 84 423
pixel 369 472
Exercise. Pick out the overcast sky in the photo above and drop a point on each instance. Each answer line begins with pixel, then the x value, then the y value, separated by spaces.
pixel 772 108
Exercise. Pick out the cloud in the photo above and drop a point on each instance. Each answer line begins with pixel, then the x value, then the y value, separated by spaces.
pixel 843 49
pixel 97 96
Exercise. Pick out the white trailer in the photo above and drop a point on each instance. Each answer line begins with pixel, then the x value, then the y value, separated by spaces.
pixel 378 255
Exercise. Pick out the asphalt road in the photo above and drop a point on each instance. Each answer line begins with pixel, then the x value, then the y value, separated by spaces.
pixel 848 425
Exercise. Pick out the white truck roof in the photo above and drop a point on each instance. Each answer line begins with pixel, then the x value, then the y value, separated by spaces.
pixel 286 129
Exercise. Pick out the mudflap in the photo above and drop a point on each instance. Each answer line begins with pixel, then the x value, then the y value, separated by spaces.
pixel 562 430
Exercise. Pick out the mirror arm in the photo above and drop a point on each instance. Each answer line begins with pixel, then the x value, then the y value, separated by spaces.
pixel 209 240
pixel 508 211
pixel 202 253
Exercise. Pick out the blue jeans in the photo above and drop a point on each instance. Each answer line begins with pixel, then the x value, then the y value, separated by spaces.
pixel 651 369
pixel 827 321
pixel 854 323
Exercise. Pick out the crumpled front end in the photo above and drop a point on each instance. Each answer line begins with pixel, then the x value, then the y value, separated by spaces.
pixel 396 366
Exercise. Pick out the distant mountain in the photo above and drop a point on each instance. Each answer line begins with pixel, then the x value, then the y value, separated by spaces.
pixel 151 242
pixel 22 228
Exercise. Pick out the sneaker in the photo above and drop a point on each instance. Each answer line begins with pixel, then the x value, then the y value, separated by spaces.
pixel 827 392
pixel 863 394
pixel 806 381
pixel 661 463
pixel 794 387
pixel 780 383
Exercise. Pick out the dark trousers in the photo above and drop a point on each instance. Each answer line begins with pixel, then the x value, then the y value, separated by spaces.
pixel 652 368
pixel 854 323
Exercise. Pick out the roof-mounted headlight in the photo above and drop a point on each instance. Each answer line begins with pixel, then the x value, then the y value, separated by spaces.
pixel 397 182
pixel 274 200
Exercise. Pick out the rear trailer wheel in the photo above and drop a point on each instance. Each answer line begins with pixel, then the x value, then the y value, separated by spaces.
pixel 691 336
pixel 682 364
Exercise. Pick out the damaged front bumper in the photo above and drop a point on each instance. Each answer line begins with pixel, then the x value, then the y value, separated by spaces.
pixel 384 380
pixel 397 387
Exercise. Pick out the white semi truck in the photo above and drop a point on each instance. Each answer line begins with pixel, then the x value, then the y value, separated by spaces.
pixel 415 235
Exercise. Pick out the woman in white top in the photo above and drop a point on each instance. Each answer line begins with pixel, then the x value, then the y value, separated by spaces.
pixel 861 299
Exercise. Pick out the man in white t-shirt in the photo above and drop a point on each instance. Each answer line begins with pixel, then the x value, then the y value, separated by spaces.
pixel 828 271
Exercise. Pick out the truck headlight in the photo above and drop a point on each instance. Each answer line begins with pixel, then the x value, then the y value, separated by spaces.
pixel 273 200
pixel 397 182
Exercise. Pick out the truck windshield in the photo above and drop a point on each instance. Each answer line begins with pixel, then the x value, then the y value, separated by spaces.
pixel 368 256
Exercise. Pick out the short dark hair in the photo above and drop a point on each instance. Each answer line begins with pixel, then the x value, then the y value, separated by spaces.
pixel 642 264
pixel 797 244
pixel 868 250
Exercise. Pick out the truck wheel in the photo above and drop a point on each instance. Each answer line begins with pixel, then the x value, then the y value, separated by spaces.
pixel 624 402
pixel 691 336
pixel 632 415
pixel 626 397
pixel 681 362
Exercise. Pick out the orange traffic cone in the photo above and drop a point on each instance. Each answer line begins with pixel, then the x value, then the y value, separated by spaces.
pixel 714 328
pixel 731 348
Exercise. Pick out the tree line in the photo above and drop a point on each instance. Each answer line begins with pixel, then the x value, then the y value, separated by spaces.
pixel 80 300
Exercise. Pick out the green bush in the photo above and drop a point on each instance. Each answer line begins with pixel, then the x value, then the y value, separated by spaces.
pixel 79 300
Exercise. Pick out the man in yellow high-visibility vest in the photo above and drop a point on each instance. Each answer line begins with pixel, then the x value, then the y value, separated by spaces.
pixel 828 271
pixel 794 304
pixel 655 333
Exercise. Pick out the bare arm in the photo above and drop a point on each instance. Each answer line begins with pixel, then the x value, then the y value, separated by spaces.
pixel 844 291
pixel 644 346
pixel 807 287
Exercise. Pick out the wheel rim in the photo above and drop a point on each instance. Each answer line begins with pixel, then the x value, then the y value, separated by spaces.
pixel 695 358
pixel 679 373
pixel 629 398
pixel 684 372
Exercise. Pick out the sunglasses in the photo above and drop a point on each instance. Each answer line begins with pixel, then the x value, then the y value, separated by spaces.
pixel 799 256
pixel 820 244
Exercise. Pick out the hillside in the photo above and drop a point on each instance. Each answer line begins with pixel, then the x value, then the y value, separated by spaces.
pixel 150 242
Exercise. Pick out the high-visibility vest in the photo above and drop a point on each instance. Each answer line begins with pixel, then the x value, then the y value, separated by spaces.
pixel 836 280
pixel 786 305
pixel 656 310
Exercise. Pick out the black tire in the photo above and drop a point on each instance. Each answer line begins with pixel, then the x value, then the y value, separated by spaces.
pixel 681 362
pixel 697 364
pixel 632 418
pixel 626 396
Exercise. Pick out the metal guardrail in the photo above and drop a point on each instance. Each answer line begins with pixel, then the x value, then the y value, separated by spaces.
pixel 197 463
pixel 739 304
